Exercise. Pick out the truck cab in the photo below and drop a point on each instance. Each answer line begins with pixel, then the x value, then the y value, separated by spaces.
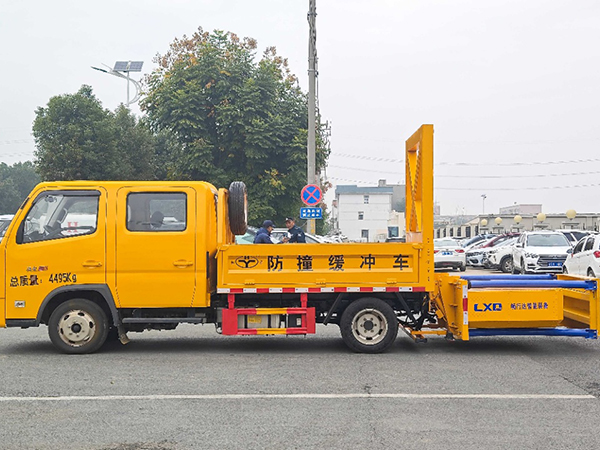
pixel 121 245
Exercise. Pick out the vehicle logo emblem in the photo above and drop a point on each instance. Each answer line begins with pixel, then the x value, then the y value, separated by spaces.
pixel 246 262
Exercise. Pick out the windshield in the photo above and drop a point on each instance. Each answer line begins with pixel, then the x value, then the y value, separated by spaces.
pixel 547 240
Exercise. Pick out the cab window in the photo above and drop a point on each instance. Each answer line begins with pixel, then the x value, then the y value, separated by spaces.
pixel 60 214
pixel 157 211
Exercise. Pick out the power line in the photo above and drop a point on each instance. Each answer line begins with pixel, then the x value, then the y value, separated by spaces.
pixel 472 164
pixel 538 188
pixel 17 141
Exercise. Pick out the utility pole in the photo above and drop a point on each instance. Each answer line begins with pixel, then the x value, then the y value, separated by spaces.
pixel 311 177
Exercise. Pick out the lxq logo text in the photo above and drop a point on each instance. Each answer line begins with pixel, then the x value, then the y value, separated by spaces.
pixel 482 307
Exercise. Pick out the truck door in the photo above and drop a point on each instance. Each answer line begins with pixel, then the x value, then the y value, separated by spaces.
pixel 60 242
pixel 155 247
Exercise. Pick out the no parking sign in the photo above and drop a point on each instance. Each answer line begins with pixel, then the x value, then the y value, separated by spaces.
pixel 311 195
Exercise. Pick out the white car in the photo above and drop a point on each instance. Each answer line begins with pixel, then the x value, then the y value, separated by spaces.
pixel 540 252
pixel 5 220
pixel 585 259
pixel 448 253
pixel 500 257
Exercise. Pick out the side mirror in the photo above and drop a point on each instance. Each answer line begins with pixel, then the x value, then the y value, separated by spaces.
pixel 570 250
pixel 519 245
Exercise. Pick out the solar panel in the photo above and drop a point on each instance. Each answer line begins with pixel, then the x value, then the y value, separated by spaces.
pixel 136 66
pixel 121 66
pixel 128 66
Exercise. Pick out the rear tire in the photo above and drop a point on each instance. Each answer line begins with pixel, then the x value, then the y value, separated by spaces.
pixel 238 208
pixel 369 325
pixel 463 267
pixel 78 326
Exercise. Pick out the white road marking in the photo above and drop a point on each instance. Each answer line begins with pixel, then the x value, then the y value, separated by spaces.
pixel 75 398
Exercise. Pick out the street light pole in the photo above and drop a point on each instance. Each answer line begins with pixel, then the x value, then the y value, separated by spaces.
pixel 312 75
pixel 483 197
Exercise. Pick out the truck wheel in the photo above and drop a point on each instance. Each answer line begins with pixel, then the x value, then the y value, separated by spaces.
pixel 369 325
pixel 238 208
pixel 78 326
pixel 506 265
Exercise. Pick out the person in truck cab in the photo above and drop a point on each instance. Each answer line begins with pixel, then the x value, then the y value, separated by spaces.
pixel 296 233
pixel 263 235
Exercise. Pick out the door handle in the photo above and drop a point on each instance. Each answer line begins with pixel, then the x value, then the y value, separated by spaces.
pixel 92 264
pixel 182 263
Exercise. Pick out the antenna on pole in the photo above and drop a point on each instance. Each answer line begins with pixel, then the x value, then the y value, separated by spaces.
pixel 312 123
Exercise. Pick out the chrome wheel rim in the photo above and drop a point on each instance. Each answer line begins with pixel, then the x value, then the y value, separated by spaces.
pixel 76 328
pixel 369 326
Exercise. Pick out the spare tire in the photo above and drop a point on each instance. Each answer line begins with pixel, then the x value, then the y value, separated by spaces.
pixel 238 208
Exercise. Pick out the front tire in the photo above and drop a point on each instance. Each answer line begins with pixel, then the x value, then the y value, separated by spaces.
pixel 590 273
pixel 369 325
pixel 78 326
pixel 506 265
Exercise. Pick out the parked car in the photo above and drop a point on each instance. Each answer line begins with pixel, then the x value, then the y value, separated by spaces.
pixel 248 238
pixel 477 255
pixel 468 242
pixel 573 236
pixel 447 253
pixel 540 252
pixel 5 220
pixel 585 258
pixel 279 233
pixel 500 257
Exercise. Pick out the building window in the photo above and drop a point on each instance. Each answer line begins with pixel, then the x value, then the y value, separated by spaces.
pixel 364 234
pixel 366 199
pixel 361 215
pixel 468 232
pixel 458 232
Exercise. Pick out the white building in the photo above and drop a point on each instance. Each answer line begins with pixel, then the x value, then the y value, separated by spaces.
pixel 362 213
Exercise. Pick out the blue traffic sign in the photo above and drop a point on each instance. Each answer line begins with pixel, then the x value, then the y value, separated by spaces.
pixel 311 213
pixel 311 195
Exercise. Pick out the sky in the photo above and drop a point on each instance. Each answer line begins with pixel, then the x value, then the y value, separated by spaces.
pixel 512 87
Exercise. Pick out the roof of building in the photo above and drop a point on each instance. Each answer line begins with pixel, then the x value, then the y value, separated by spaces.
pixel 354 189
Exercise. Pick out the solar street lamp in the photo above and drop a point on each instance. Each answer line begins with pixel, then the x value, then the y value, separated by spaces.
pixel 125 67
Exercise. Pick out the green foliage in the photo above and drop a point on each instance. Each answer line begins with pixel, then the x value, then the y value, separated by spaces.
pixel 77 139
pixel 233 118
pixel 16 182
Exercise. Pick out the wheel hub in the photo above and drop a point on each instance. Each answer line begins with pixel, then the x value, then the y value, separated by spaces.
pixel 76 328
pixel 369 326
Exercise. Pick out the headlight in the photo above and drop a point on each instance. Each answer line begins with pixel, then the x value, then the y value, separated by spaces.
pixel 531 255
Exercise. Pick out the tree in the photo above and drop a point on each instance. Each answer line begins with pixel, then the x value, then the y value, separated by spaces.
pixel 77 139
pixel 234 119
pixel 16 182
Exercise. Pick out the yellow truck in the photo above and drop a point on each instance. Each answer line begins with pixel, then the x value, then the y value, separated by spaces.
pixel 96 260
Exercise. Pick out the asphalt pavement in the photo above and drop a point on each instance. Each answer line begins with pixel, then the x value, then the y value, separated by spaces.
pixel 191 388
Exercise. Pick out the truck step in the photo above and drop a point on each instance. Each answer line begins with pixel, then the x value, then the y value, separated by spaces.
pixel 164 320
